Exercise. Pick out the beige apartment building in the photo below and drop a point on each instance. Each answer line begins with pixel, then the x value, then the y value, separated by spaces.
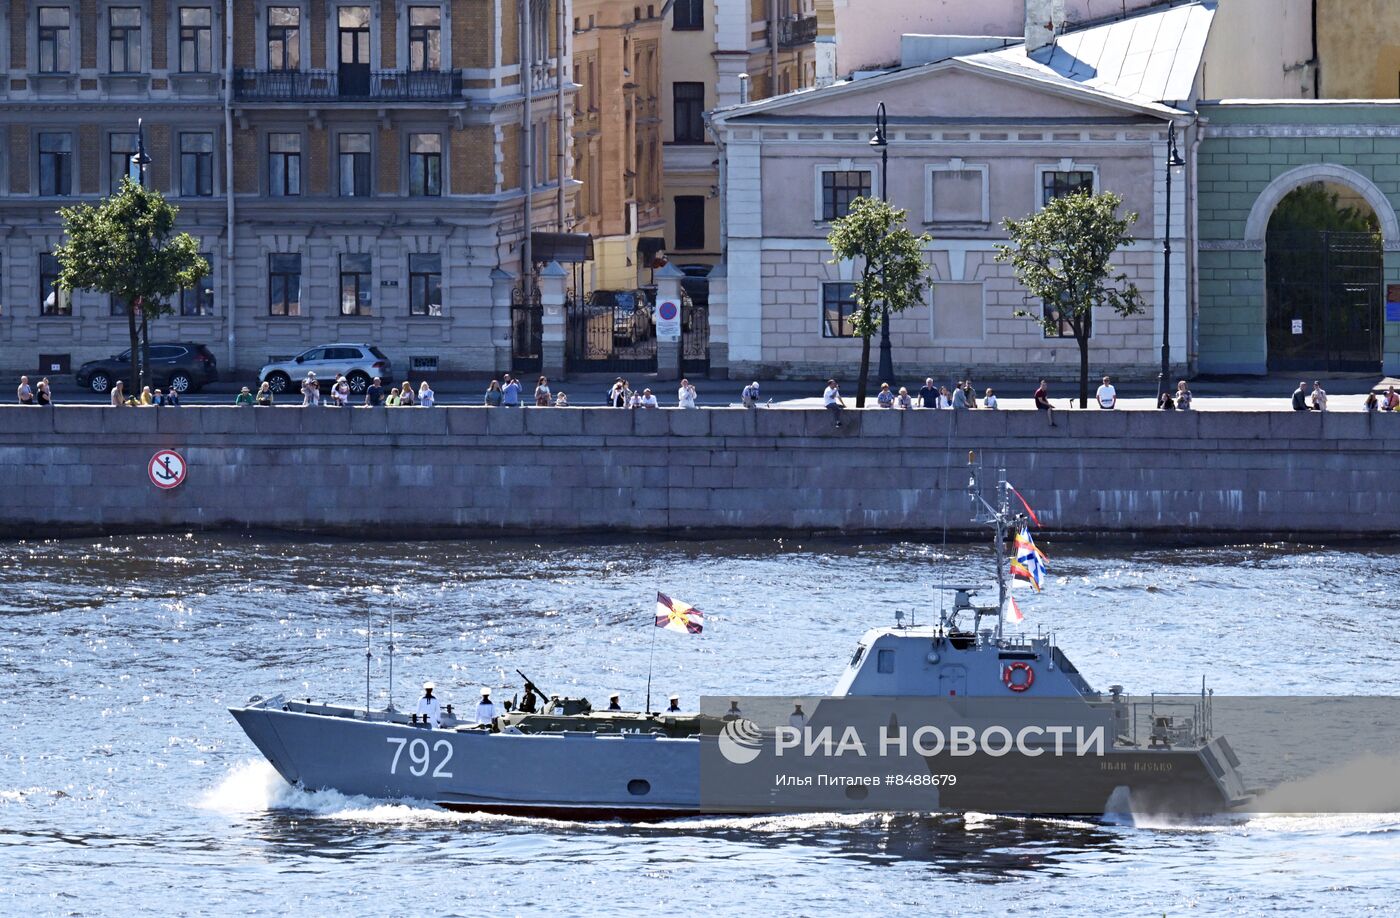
pixel 617 138
pixel 714 54
pixel 355 169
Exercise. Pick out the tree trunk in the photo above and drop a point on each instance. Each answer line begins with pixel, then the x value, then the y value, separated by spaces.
pixel 145 349
pixel 1083 371
pixel 864 371
pixel 135 380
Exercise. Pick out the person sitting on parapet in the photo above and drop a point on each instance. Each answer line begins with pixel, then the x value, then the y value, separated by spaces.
pixel 1042 401
pixel 1392 400
pixel 675 705
pixel 486 709
pixel 750 394
pixel 429 707
pixel 614 702
pixel 1319 397
pixel 1300 397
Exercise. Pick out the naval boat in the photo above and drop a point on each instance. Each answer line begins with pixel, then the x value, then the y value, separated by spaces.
pixel 566 760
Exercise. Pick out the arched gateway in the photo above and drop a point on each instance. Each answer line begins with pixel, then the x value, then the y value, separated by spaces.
pixel 1299 242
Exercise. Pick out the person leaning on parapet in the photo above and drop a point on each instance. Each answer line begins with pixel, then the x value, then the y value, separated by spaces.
pixel 885 398
pixel 1107 396
pixel 617 394
pixel 1373 402
pixel 902 400
pixel 1183 396
pixel 928 395
pixel 750 395
pixel 25 392
pixel 832 401
pixel 959 400
pixel 543 398
pixel 1042 402
pixel 1319 397
pixel 685 395
pixel 1300 397
pixel 264 398
pixel 990 400
pixel 426 396
pixel 1392 400
pixel 310 390
pixel 648 400
pixel 43 394
pixel 510 392
pixel 493 394
pixel 970 393
pixel 170 399
pixel 245 397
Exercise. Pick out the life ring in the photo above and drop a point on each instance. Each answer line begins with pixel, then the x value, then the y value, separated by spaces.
pixel 1008 676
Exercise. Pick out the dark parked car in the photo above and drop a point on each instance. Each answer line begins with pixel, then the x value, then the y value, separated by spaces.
pixel 182 367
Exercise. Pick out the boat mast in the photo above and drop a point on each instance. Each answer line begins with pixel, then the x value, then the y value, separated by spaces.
pixel 1002 513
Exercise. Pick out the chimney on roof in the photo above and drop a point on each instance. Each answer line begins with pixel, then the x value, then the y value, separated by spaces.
pixel 1041 22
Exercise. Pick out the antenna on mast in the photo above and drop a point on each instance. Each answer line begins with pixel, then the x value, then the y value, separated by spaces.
pixel 369 624
pixel 391 659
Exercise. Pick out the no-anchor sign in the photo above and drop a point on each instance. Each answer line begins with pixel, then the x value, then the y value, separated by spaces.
pixel 167 469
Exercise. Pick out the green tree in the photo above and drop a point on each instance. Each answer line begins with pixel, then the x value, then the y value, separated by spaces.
pixel 893 272
pixel 1063 256
pixel 126 246
pixel 1316 207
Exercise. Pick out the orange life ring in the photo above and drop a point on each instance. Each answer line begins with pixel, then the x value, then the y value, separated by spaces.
pixel 1008 676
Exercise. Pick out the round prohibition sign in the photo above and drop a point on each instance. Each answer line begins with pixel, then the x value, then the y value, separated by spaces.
pixel 668 310
pixel 167 469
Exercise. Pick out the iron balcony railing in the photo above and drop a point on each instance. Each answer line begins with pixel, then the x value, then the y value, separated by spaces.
pixel 797 30
pixel 328 85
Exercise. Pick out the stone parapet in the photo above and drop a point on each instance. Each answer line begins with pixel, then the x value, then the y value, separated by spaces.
pixel 472 471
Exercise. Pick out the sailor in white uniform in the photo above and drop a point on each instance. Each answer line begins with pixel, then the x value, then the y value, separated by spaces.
pixel 675 706
pixel 486 710
pixel 429 707
pixel 797 720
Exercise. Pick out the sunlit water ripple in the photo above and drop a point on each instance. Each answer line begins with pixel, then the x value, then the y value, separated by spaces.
pixel 125 786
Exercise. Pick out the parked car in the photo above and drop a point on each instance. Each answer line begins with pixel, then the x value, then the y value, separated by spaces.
pixel 696 283
pixel 359 363
pixel 184 367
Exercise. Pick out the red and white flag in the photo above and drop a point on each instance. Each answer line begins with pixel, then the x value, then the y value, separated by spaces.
pixel 1013 611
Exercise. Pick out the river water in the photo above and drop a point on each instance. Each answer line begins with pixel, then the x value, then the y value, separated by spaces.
pixel 125 787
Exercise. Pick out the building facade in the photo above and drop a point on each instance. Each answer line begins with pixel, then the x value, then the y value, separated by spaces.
pixel 617 138
pixel 354 170
pixel 972 140
pixel 714 54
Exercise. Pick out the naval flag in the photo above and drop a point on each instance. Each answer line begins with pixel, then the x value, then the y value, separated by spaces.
pixel 1013 611
pixel 674 615
pixel 1028 564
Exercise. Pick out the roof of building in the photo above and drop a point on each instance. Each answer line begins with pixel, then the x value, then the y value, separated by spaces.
pixel 1146 61
pixel 1152 56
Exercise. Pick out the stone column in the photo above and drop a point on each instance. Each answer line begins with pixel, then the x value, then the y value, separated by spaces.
pixel 553 279
pixel 719 321
pixel 668 346
pixel 501 285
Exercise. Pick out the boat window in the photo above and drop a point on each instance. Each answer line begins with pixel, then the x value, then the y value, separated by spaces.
pixel 638 787
pixel 860 652
pixel 885 662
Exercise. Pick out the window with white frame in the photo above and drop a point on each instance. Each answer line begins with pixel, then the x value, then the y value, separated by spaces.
pixel 957 192
pixel 424 284
pixel 840 187
pixel 425 165
pixel 424 38
pixel 838 305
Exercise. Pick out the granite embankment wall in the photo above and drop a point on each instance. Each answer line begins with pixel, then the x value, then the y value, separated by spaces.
pixel 477 471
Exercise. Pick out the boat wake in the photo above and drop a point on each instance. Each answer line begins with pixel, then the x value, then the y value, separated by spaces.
pixel 254 786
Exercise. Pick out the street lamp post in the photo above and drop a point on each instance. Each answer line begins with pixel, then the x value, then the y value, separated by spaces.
pixel 1174 164
pixel 139 159
pixel 880 141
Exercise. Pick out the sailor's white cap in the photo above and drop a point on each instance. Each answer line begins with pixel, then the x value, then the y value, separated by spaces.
pixel 427 686
pixel 673 698
pixel 485 692
pixel 614 695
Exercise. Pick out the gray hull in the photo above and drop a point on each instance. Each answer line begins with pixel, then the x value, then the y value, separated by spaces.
pixel 571 775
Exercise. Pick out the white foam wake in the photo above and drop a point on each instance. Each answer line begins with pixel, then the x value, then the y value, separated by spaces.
pixel 254 786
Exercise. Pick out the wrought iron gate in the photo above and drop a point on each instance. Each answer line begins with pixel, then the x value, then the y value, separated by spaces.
pixel 695 337
pixel 526 323
pixel 1324 299
pixel 613 331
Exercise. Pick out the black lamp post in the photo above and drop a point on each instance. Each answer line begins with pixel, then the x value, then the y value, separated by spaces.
pixel 1174 164
pixel 880 142
pixel 139 159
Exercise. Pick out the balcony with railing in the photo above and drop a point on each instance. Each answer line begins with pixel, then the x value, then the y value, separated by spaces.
pixel 797 30
pixel 347 85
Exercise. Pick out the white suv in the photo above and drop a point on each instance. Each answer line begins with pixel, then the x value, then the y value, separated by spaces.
pixel 358 363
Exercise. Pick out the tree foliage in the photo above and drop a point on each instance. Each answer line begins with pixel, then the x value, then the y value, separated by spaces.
pixel 1316 207
pixel 1063 256
pixel 893 272
pixel 126 246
